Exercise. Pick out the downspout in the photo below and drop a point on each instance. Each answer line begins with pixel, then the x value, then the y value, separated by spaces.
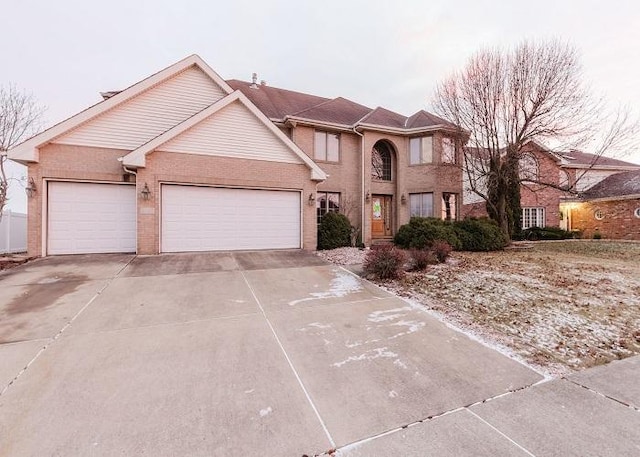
pixel 362 198
pixel 124 167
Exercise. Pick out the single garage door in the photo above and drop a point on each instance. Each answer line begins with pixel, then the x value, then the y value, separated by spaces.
pixel 218 219
pixel 91 218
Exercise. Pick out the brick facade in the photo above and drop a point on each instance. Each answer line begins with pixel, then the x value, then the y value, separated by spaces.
pixel 63 162
pixel 618 218
pixel 346 176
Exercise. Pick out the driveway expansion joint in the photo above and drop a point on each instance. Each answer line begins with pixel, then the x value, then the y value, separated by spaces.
pixel 54 338
pixel 608 397
pixel 295 372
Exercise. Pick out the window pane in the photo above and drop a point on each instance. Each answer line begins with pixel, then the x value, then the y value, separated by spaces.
pixel 333 201
pixel 320 146
pixel 448 151
pixel 427 149
pixel 415 203
pixel 449 206
pixel 427 205
pixel 421 205
pixel 333 147
pixel 414 151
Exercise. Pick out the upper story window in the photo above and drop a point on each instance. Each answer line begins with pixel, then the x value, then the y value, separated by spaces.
pixel 327 146
pixel 448 150
pixel 529 169
pixel 420 150
pixel 381 161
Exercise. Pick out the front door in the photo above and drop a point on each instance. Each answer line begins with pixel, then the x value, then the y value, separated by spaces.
pixel 381 216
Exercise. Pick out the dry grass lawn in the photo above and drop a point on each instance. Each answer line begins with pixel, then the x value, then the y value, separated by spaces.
pixel 560 306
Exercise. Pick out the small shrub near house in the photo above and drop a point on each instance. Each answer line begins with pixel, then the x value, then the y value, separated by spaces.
pixel 334 231
pixel 385 262
pixel 547 233
pixel 441 250
pixel 422 258
pixel 422 232
pixel 481 234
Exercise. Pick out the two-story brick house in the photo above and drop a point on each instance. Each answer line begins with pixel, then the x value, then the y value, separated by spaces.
pixel 382 167
pixel 186 161
pixel 551 173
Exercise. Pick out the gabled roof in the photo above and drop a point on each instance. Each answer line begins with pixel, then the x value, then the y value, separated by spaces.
pixel 274 102
pixel 582 159
pixel 137 158
pixel 27 151
pixel 425 119
pixel 617 185
pixel 384 117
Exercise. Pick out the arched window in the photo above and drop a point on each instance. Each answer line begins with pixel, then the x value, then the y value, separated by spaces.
pixel 529 168
pixel 381 161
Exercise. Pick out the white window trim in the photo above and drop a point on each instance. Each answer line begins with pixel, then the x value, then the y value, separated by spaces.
pixel 533 217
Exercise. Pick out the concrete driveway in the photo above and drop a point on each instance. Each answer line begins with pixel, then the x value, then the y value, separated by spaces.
pixel 274 354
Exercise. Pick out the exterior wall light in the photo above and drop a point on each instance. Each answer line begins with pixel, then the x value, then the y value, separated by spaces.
pixel 31 188
pixel 145 193
pixel 367 197
pixel 403 199
pixel 312 199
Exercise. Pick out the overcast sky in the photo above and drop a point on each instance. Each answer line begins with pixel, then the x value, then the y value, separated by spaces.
pixel 378 53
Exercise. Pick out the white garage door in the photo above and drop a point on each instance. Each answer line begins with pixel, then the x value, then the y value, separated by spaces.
pixel 91 218
pixel 215 219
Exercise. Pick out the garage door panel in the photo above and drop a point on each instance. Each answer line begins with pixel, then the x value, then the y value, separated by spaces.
pixel 91 218
pixel 213 219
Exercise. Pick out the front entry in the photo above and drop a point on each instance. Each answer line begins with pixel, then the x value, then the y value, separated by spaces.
pixel 381 220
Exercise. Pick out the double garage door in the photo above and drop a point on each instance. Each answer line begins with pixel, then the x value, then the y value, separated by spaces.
pixel 219 219
pixel 96 218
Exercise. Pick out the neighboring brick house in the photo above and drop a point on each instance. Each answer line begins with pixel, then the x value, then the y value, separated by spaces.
pixel 185 161
pixel 611 208
pixel 541 204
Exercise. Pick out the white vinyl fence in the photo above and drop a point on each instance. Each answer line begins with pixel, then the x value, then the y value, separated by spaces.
pixel 13 232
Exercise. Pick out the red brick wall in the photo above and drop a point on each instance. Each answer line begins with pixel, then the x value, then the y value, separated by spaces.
pixel 619 221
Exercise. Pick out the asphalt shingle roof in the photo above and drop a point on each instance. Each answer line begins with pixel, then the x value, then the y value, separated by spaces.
pixel 618 185
pixel 278 103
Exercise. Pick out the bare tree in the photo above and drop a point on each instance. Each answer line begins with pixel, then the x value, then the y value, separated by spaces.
pixel 20 118
pixel 534 92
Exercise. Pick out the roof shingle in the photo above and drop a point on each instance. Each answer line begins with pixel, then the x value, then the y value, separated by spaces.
pixel 618 185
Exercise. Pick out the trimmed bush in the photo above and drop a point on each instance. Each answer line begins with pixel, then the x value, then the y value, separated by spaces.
pixel 479 235
pixel 421 233
pixel 547 233
pixel 441 250
pixel 334 231
pixel 422 258
pixel 385 262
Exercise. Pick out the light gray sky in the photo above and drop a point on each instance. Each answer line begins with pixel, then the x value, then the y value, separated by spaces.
pixel 375 52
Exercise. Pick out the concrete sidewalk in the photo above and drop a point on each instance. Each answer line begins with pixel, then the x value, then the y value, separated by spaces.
pixel 269 353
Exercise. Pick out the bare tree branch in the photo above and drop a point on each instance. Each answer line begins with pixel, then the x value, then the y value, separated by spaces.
pixel 20 118
pixel 506 99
